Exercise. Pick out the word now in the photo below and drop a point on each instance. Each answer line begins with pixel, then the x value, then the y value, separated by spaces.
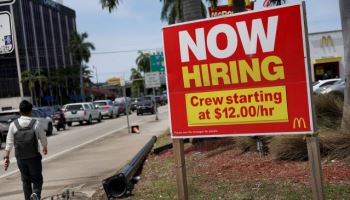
pixel 209 41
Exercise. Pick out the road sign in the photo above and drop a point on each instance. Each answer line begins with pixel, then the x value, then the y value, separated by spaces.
pixel 240 75
pixel 6 38
pixel 152 80
pixel 157 62
pixel 6 2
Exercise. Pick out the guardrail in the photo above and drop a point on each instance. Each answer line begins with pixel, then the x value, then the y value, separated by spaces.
pixel 123 182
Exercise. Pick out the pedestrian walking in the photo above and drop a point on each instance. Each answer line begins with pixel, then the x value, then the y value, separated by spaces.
pixel 23 134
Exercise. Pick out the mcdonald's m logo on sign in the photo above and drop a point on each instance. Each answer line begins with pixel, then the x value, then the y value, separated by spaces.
pixel 326 40
pixel 299 123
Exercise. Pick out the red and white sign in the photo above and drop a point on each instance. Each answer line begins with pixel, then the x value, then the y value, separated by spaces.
pixel 245 74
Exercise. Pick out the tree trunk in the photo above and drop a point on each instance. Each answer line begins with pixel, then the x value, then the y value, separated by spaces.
pixel 192 10
pixel 345 20
pixel 239 6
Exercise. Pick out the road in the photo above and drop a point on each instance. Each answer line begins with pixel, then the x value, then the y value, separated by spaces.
pixel 77 136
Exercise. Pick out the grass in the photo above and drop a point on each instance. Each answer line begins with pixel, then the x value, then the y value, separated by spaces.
pixel 208 178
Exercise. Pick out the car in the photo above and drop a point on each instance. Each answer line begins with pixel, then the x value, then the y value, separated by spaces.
pixel 49 111
pixel 133 104
pixel 146 106
pixel 122 107
pixel 322 83
pixel 160 100
pixel 44 121
pixel 81 112
pixel 336 89
pixel 5 120
pixel 107 108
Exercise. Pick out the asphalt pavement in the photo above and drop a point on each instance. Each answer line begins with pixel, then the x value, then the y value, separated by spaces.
pixel 83 167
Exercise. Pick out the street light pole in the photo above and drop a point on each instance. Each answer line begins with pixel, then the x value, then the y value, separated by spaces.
pixel 19 73
pixel 96 75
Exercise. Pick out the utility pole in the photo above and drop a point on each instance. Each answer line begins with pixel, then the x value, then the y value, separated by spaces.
pixel 17 54
pixel 96 75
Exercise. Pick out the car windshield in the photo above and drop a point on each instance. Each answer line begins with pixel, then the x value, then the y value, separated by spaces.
pixel 8 117
pixel 146 102
pixel 102 103
pixel 119 104
pixel 315 83
pixel 74 107
pixel 341 81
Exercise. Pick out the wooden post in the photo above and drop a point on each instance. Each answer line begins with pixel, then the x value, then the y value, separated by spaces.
pixel 180 166
pixel 313 148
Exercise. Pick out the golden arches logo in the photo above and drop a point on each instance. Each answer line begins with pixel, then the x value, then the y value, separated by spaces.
pixel 299 123
pixel 326 40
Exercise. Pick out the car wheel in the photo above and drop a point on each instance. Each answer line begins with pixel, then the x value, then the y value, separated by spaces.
pixel 111 116
pixel 89 120
pixel 49 129
pixel 99 118
pixel 64 126
pixel 0 139
pixel 69 123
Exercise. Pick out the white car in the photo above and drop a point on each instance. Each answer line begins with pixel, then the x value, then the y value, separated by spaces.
pixel 80 112
pixel 321 83
pixel 44 121
pixel 107 108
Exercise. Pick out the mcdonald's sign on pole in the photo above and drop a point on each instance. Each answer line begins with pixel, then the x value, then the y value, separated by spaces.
pixel 239 75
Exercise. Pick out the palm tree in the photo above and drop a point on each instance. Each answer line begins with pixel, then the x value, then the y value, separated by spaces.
pixel 32 78
pixel 143 62
pixel 137 82
pixel 81 53
pixel 173 10
pixel 110 4
pixel 56 80
pixel 345 20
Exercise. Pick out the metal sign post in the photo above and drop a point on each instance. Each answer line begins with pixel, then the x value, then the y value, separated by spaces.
pixel 17 54
pixel 122 83
pixel 152 80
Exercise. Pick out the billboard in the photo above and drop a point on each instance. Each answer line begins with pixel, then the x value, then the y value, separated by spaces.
pixel 6 38
pixel 245 74
pixel 226 10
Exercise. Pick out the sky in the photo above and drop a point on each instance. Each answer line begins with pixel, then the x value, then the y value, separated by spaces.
pixel 136 25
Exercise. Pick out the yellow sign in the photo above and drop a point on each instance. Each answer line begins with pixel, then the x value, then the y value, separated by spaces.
pixel 299 123
pixel 244 106
pixel 114 81
pixel 325 40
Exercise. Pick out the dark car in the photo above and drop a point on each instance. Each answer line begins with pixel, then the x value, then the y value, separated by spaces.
pixel 161 100
pixel 134 104
pixel 5 120
pixel 146 106
pixel 49 111
pixel 122 107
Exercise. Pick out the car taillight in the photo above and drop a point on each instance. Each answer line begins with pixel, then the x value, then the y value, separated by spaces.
pixel 105 107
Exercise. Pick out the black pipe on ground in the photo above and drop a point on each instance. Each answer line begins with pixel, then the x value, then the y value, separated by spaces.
pixel 123 182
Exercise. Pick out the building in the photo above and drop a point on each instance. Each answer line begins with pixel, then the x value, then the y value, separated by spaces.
pixel 43 29
pixel 327 54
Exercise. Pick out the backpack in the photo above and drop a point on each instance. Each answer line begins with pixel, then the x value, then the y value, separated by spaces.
pixel 25 141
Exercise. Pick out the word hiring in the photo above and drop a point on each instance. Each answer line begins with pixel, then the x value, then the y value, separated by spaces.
pixel 229 72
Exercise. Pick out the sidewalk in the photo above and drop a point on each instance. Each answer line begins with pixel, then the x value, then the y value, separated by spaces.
pixel 84 169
